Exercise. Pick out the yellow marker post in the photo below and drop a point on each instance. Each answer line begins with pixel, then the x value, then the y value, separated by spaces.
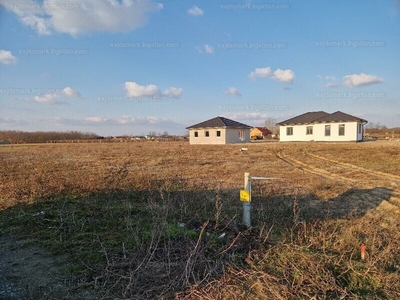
pixel 245 196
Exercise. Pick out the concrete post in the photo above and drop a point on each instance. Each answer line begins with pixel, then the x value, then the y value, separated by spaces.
pixel 247 205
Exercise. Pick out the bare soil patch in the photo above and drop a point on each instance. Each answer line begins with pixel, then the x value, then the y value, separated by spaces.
pixel 28 271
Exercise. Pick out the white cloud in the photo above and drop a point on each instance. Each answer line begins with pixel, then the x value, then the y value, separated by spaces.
pixel 260 72
pixel 52 97
pixel 279 75
pixel 208 49
pixel 77 17
pixel 95 119
pixel 361 80
pixel 46 98
pixel 125 120
pixel 283 75
pixel 7 58
pixel 233 91
pixel 173 92
pixel 136 90
pixel 251 118
pixel 195 11
pixel 254 115
pixel 12 121
pixel 332 85
pixel 333 81
pixel 71 93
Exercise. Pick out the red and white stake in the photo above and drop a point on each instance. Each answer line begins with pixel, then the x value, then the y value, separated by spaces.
pixel 363 251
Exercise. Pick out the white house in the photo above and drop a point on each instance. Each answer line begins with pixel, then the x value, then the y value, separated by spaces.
pixel 321 126
pixel 219 130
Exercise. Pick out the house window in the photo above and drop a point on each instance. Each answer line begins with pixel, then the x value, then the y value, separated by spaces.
pixel 327 130
pixel 196 134
pixel 241 135
pixel 289 130
pixel 309 130
pixel 218 133
pixel 207 133
pixel 359 128
pixel 341 129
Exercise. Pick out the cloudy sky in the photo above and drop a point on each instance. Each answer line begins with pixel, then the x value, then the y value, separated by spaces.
pixel 117 67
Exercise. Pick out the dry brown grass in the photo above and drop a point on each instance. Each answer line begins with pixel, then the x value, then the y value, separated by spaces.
pixel 123 201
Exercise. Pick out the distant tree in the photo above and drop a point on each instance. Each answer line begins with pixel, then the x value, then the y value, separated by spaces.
pixel 43 136
pixel 152 133
pixel 165 133
pixel 376 126
pixel 270 123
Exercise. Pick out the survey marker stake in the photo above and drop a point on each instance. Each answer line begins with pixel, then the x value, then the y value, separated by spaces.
pixel 245 197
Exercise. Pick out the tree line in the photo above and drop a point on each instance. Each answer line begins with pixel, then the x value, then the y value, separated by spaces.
pixel 13 136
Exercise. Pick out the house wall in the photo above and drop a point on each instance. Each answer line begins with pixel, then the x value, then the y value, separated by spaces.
pixel 212 139
pixel 255 132
pixel 230 135
pixel 300 133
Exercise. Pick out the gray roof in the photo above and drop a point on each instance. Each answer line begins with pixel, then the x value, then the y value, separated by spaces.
pixel 321 117
pixel 219 122
pixel 340 117
pixel 304 118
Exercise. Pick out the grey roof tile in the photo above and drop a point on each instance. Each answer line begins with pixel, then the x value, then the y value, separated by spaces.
pixel 321 117
pixel 219 122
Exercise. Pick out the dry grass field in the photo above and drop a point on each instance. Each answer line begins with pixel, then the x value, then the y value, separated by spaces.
pixel 162 220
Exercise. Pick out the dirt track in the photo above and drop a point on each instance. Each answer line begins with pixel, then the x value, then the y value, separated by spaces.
pixel 368 189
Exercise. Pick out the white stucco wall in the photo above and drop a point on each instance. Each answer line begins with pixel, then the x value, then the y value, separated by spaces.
pixel 299 133
pixel 228 136
pixel 211 140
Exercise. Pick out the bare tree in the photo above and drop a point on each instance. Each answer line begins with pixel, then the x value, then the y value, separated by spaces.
pixel 270 123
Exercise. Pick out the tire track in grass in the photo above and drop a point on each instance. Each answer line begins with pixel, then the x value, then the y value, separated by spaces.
pixel 390 203
pixel 349 169
pixel 314 170
pixel 347 165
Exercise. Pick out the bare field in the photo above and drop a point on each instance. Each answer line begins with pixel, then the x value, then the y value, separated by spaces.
pixel 116 207
pixel 29 172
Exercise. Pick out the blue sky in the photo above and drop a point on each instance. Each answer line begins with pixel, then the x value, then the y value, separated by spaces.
pixel 134 66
